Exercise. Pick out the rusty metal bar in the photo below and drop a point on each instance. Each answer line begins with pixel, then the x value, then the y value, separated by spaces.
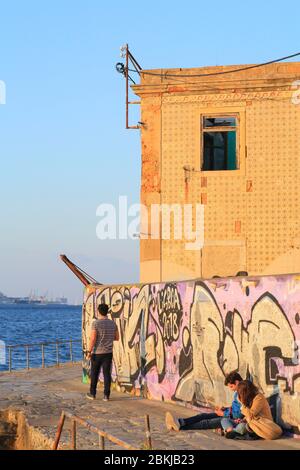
pixel 73 434
pixel 94 429
pixel 46 343
pixel 27 357
pixel 27 347
pixel 148 433
pixel 84 277
pixel 59 430
pixel 126 79
pixel 101 443
pixel 43 356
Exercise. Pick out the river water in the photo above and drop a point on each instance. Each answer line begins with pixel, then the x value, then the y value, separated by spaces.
pixel 27 324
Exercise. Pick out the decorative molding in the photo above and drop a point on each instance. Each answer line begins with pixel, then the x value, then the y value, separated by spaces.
pixel 221 97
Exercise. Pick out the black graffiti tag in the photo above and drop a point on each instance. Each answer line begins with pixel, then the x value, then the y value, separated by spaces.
pixel 169 312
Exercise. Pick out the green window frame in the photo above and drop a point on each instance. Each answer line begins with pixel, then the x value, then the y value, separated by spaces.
pixel 219 142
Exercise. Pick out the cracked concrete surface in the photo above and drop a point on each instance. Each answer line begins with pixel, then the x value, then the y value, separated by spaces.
pixel 41 394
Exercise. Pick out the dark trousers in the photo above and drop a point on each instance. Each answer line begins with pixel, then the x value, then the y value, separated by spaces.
pixel 98 361
pixel 202 421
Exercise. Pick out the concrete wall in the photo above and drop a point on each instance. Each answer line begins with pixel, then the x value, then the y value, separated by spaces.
pixel 251 217
pixel 177 341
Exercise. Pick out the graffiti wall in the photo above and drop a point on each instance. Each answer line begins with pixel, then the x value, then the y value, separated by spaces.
pixel 178 340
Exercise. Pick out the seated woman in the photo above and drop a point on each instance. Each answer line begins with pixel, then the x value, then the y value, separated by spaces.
pixel 225 417
pixel 256 410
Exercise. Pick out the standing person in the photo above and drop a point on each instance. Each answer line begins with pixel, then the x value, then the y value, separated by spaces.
pixel 257 412
pixel 222 417
pixel 104 333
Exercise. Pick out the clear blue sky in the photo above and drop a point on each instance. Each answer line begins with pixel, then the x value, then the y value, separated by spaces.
pixel 63 146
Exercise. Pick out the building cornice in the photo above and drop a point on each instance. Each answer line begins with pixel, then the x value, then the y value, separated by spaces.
pixel 275 77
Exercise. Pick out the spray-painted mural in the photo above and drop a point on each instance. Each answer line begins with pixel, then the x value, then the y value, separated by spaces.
pixel 178 340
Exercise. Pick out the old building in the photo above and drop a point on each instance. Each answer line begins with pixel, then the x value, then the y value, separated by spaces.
pixel 230 141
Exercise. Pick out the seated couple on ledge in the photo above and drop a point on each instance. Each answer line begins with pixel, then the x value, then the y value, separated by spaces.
pixel 249 416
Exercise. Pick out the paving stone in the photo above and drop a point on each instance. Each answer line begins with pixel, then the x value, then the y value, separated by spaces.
pixel 43 393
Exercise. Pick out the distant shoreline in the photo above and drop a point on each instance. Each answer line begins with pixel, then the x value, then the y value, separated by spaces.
pixel 37 305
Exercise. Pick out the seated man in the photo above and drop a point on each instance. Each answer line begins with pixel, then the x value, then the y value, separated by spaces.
pixel 227 418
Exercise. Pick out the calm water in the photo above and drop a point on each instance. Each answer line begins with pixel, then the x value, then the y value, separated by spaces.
pixel 24 324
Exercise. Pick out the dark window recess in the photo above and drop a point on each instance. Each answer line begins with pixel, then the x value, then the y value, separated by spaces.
pixel 219 146
pixel 219 122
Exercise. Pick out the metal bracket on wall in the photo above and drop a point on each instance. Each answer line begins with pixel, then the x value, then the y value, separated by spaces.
pixel 187 172
pixel 124 70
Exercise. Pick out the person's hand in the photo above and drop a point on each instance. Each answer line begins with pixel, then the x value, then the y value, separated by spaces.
pixel 219 411
pixel 88 354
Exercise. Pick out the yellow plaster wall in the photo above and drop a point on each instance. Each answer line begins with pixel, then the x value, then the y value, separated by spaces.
pixel 251 214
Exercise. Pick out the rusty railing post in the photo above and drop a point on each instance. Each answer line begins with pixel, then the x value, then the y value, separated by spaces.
pixel 59 430
pixel 71 350
pixel 27 356
pixel 102 435
pixel 73 434
pixel 148 434
pixel 43 356
pixel 9 359
pixel 27 347
pixel 57 354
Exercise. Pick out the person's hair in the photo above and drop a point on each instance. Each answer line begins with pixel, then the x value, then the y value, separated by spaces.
pixel 246 392
pixel 103 309
pixel 232 377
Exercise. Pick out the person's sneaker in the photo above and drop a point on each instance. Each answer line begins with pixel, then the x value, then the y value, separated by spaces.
pixel 89 396
pixel 105 399
pixel 171 422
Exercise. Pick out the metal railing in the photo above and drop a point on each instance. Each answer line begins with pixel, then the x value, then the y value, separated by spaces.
pixel 91 427
pixel 42 345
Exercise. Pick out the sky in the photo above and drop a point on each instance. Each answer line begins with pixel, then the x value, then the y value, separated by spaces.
pixel 64 149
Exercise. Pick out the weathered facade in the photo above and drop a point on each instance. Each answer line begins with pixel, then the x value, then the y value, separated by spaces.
pixel 232 143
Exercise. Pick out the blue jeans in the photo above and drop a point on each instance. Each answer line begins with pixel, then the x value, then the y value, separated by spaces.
pixel 202 421
pixel 98 361
pixel 227 423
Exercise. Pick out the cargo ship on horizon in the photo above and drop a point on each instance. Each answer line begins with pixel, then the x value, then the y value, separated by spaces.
pixel 33 300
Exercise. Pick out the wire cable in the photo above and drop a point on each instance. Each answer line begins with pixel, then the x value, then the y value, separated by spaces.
pixel 89 278
pixel 241 69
